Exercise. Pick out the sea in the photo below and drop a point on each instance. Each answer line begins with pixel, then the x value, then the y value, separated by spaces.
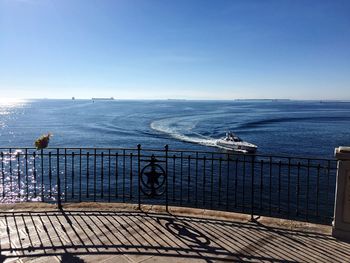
pixel 277 127
pixel 277 186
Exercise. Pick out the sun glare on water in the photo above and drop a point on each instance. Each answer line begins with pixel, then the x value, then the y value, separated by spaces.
pixel 7 105
pixel 11 102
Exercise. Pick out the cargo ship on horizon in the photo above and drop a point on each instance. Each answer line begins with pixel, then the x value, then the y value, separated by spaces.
pixel 111 98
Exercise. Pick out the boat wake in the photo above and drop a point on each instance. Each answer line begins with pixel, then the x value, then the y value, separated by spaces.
pixel 181 128
pixel 185 129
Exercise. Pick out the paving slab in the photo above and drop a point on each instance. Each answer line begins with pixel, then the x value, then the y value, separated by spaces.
pixel 96 232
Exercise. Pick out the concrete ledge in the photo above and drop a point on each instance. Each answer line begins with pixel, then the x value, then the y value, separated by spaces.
pixel 173 210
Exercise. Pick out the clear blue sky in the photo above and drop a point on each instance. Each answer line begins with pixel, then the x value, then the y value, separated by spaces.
pixel 175 49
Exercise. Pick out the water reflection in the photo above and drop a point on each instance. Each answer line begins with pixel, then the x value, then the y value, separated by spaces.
pixel 11 102
pixel 20 179
pixel 7 107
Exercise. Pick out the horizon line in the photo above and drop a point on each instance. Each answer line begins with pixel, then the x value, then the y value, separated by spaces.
pixel 179 99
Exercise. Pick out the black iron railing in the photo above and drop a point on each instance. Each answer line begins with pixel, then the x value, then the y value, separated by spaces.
pixel 278 186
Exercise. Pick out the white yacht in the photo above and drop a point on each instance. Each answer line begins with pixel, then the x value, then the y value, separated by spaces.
pixel 233 142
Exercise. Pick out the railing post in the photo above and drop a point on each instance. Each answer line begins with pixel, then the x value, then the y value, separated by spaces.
pixel 139 174
pixel 341 221
pixel 252 193
pixel 166 176
pixel 59 205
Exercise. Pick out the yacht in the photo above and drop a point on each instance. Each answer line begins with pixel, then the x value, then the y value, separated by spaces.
pixel 233 142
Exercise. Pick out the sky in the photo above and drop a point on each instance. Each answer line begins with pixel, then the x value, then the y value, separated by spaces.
pixel 183 49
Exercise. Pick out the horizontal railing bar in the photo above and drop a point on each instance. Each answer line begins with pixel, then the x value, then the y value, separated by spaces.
pixel 242 154
pixel 46 153
pixel 91 154
pixel 174 151
pixel 70 148
pixel 201 159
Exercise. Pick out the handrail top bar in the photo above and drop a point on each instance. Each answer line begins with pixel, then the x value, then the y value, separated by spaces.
pixel 247 154
pixel 171 150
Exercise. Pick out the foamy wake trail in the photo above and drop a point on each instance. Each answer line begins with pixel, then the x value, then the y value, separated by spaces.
pixel 181 128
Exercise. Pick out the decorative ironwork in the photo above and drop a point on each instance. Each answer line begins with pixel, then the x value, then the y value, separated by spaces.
pixel 153 178
pixel 280 186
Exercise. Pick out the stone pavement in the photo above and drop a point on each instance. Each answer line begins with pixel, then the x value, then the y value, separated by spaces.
pixel 107 233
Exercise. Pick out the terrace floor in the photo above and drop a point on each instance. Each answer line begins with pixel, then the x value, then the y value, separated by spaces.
pixel 120 233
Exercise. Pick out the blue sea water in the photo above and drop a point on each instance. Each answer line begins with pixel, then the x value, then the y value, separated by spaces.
pixel 302 128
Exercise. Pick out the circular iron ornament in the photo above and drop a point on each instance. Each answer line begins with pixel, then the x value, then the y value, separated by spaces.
pixel 152 179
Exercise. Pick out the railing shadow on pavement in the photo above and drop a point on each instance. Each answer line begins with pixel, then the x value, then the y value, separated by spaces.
pixel 73 234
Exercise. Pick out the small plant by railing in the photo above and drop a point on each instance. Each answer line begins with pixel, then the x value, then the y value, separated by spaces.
pixel 278 186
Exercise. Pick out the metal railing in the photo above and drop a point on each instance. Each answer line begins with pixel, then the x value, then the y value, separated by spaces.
pixel 278 186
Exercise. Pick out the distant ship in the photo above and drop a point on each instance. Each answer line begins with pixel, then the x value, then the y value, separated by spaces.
pixel 111 98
